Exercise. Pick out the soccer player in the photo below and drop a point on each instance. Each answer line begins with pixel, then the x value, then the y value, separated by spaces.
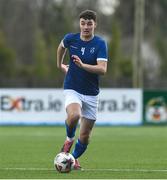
pixel 88 59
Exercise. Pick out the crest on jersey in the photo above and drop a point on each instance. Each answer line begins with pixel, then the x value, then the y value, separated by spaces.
pixel 92 50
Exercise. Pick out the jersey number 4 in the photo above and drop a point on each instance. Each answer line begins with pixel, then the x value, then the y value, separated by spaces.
pixel 83 50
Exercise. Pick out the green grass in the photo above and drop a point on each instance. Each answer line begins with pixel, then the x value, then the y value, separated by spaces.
pixel 114 152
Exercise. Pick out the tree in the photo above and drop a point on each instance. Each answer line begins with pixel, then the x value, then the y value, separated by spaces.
pixel 7 57
pixel 19 26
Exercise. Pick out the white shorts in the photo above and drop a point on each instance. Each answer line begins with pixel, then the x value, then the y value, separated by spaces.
pixel 89 104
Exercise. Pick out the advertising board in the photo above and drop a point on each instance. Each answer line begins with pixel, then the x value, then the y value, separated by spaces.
pixel 46 106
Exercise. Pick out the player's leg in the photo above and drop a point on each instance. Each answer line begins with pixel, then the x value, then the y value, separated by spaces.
pixel 73 109
pixel 86 126
pixel 73 116
pixel 89 113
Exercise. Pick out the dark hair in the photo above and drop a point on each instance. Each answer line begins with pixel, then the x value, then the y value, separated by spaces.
pixel 88 14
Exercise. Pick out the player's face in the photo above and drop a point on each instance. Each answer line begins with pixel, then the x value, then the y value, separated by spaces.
pixel 87 27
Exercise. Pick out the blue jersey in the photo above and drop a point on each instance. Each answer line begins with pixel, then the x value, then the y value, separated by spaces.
pixel 89 52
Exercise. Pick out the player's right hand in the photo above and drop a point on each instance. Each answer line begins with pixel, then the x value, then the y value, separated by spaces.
pixel 64 68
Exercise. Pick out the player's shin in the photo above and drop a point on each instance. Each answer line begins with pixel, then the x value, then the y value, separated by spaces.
pixel 70 132
pixel 79 149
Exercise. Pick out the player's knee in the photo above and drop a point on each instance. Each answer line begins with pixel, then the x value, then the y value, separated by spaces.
pixel 74 117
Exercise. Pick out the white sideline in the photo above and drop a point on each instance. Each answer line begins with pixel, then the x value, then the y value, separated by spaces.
pixel 113 170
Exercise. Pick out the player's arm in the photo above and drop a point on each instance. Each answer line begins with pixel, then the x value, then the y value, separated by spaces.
pixel 100 68
pixel 61 52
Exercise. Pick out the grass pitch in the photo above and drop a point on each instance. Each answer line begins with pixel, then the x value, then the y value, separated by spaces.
pixel 114 152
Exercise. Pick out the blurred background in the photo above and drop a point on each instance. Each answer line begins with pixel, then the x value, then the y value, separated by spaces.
pixel 134 90
pixel 30 31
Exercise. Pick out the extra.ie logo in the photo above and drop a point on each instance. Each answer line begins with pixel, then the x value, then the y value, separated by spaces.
pixel 8 103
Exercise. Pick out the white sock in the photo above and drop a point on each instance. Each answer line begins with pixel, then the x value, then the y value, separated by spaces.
pixel 70 139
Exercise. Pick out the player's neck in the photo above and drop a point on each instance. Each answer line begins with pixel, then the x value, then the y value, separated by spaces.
pixel 86 38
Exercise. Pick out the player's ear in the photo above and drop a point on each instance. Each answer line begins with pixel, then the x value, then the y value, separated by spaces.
pixel 95 24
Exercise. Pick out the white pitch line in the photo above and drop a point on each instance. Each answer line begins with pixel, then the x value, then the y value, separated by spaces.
pixel 27 169
pixel 112 170
pixel 128 170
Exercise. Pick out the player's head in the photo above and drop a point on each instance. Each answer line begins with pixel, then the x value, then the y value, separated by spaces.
pixel 88 14
pixel 88 20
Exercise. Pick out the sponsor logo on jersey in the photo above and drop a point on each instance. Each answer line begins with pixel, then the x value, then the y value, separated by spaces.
pixel 73 47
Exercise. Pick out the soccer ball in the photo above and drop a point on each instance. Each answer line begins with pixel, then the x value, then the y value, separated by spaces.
pixel 64 162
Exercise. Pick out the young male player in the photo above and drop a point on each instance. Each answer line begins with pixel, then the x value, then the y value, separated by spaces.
pixel 88 60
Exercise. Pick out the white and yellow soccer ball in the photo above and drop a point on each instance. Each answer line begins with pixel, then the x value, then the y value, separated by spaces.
pixel 64 162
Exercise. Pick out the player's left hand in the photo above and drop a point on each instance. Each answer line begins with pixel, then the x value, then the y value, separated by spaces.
pixel 77 61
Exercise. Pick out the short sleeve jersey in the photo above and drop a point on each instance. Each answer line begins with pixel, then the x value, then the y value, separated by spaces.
pixel 89 52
